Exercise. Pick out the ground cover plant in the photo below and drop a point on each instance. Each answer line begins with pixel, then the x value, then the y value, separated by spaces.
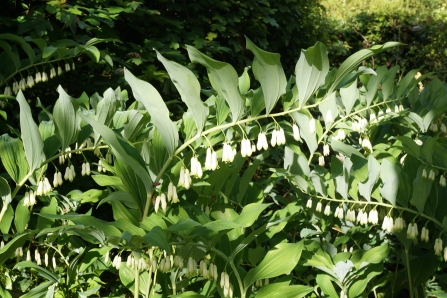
pixel 329 183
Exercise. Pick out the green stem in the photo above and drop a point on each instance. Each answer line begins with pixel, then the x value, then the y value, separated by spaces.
pixel 137 282
pixel 410 282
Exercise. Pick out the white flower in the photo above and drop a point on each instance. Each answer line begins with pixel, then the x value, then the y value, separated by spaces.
pixel 262 142
pixel 46 259
pixel 399 224
pixel 350 215
pixel 339 213
pixel 44 77
pixel 401 108
pixel 372 117
pixel 193 170
pixel 438 246
pixel 22 84
pixel 54 263
pixel 38 78
pixel 366 144
pixel 280 137
pixel 424 173
pixel 30 82
pixel 59 70
pixel 246 148
pixel 319 206
pixel 340 135
pixel 163 202
pixel 321 161
pixel 213 160
pixel 273 140
pixel 73 66
pixel 157 203
pixel 388 110
pixel 424 235
pixel 312 125
pixel 326 150
pixel 28 255
pixel 419 142
pixel 296 132
pixel 359 216
pixel 402 159
pixel 442 181
pixel 434 127
pixel 380 115
pixel 208 159
pixel 445 254
pixel 373 217
pixel 181 180
pixel 443 128
pixel 309 203
pixel 117 262
pixel 396 109
pixel 67 67
pixel 188 180
pixel 327 210
pixel 431 175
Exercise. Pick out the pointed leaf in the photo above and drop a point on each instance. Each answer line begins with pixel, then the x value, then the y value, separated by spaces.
pixel 64 117
pixel 311 70
pixel 349 96
pixel 32 140
pixel 223 77
pixel 13 157
pixel 189 88
pixel 154 104
pixel 325 283
pixel 268 71
pixel 389 173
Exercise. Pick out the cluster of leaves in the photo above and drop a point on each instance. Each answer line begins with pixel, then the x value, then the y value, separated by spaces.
pixel 247 217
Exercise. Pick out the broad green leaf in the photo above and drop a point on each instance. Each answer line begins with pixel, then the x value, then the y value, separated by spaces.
pixel 40 270
pixel 388 83
pixel 122 212
pixel 154 104
pixel 344 149
pixel 328 107
pixel 366 188
pixel 13 157
pixel 189 88
pixel 157 237
pixel 407 83
pixel 303 122
pixel 32 140
pixel 389 173
pixel 342 268
pixel 51 143
pixel 421 188
pixel 268 71
pixel 21 217
pixel 132 183
pixel 5 223
pixel 125 225
pixel 42 222
pixel 296 164
pixel 373 84
pixel 325 283
pixel 123 151
pixel 223 78
pixel 257 102
pixel 64 118
pixel 9 249
pixel 14 56
pixel 360 167
pixel 427 149
pixel 120 196
pixel 106 107
pixel 283 291
pixel 105 180
pixel 311 70
pixel 410 145
pixel 4 293
pixel 39 291
pixel 250 214
pixel 281 259
pixel 183 224
pixel 127 277
pixel 349 96
pixel 375 255
pixel 360 283
pixel 318 183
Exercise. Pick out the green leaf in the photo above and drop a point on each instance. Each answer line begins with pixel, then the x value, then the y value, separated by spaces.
pixel 283 291
pixel 427 149
pixel 123 151
pixel 154 104
pixel 349 96
pixel 325 283
pixel 353 61
pixel 366 188
pixel 42 222
pixel 223 78
pixel 21 217
pixel 64 118
pixel 40 270
pixel 157 237
pixel 405 83
pixel 303 122
pixel 32 140
pixel 421 189
pixel 9 249
pixel 344 149
pixel 244 81
pixel 389 173
pixel 360 283
pixel 373 84
pixel 342 268
pixel 189 88
pixel 329 104
pixel 410 146
pixel 104 180
pixel 281 259
pixel 133 183
pixel 13 157
pixel 311 70
pixel 39 291
pixel 11 54
pixel 388 83
pixel 268 71
pixel 20 40
pixel 250 214
pixel 8 216
pixel 5 192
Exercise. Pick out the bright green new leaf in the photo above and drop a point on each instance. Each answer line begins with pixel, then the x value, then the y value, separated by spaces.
pixel 157 237
pixel 373 83
pixel 9 249
pixel 250 214
pixel 268 71
pixel 21 217
pixel 189 88
pixel 5 191
pixel 388 82
pixel 244 81
pixel 365 189
pixel 154 104
pixel 223 77
pixel 281 259
pixel 283 291
pixel 64 118
pixel 32 140
pixel 421 188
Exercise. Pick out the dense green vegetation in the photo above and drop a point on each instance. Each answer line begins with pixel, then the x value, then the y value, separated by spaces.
pixel 285 148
